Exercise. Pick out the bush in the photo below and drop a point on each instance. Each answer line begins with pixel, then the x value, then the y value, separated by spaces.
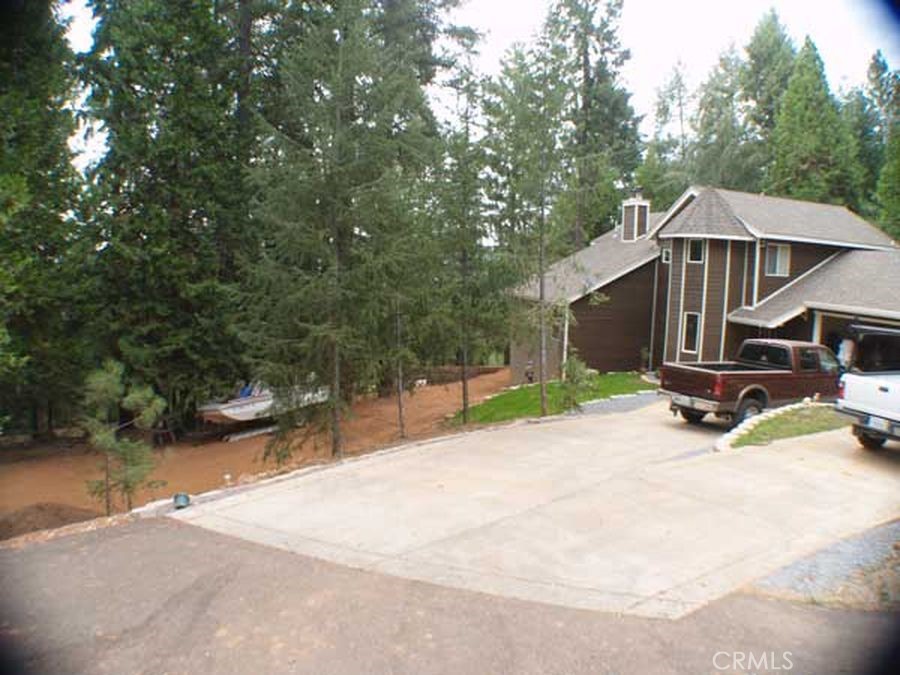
pixel 576 382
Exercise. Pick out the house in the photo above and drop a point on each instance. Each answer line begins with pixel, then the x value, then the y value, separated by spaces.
pixel 719 266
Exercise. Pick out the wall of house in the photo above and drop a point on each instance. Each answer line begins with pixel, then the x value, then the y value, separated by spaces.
pixel 673 302
pixel 803 258
pixel 610 335
pixel 749 280
pixel 525 349
pixel 659 319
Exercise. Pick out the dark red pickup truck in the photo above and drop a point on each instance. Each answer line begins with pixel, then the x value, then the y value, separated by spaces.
pixel 766 373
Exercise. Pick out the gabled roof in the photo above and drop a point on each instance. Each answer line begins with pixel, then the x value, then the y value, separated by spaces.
pixel 707 215
pixel 606 259
pixel 714 212
pixel 859 282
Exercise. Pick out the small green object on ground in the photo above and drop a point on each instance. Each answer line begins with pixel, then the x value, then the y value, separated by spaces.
pixel 526 400
pixel 799 422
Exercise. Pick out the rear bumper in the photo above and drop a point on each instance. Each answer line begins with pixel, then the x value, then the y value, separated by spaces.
pixel 677 400
pixel 870 424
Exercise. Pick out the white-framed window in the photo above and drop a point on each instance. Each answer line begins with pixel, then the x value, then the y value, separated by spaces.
pixel 666 255
pixel 695 250
pixel 778 260
pixel 690 332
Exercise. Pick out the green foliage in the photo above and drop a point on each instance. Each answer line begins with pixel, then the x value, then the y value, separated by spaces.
pixel 815 156
pixel 765 73
pixel 128 462
pixel 888 195
pixel 725 154
pixel 335 176
pixel 524 401
pixel 40 281
pixel 577 383
pixel 862 120
pixel 167 216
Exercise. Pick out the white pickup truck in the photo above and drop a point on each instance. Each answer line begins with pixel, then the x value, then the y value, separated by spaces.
pixel 872 397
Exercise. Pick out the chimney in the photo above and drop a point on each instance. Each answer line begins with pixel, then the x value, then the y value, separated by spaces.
pixel 635 216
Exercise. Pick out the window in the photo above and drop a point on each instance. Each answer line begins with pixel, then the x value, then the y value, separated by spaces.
pixel 691 336
pixel 808 359
pixel 828 362
pixel 765 355
pixel 695 250
pixel 778 260
pixel 667 255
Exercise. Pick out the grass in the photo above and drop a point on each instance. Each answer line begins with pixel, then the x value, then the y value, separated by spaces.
pixel 799 422
pixel 526 400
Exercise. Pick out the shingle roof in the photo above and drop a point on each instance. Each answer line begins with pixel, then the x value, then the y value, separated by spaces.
pixel 860 282
pixel 707 215
pixel 726 213
pixel 603 261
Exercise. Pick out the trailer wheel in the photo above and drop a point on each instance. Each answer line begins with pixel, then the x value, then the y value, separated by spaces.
pixel 869 441
pixel 692 416
pixel 748 408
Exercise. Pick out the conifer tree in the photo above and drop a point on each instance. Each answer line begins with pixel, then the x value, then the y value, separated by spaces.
pixel 815 155
pixel 888 195
pixel 41 282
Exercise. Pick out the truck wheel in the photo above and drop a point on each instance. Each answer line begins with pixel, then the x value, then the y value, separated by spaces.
pixel 748 408
pixel 692 416
pixel 869 441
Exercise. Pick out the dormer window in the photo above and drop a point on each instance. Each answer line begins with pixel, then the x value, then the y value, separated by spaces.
pixel 635 217
pixel 778 260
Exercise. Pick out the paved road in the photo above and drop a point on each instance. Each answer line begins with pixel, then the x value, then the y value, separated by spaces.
pixel 630 513
pixel 158 596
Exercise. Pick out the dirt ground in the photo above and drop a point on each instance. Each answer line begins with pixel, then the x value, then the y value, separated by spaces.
pixel 44 488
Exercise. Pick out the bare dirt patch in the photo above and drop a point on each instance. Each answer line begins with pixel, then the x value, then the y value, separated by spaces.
pixel 45 487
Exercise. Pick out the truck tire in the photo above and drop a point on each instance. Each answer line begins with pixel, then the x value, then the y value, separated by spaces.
pixel 692 416
pixel 867 440
pixel 748 408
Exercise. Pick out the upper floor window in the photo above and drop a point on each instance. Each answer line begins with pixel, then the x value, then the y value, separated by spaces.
pixel 667 255
pixel 695 250
pixel 778 260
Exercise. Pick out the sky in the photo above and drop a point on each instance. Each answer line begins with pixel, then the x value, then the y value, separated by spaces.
pixel 659 33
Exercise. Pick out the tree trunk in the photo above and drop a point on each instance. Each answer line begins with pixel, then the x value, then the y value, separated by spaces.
pixel 465 376
pixel 579 235
pixel 542 313
pixel 337 444
pixel 400 419
pixel 106 493
pixel 245 24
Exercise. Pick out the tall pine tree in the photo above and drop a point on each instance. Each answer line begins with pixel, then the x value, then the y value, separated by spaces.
pixel 815 156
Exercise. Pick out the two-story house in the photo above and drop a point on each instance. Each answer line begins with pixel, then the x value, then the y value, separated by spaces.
pixel 719 266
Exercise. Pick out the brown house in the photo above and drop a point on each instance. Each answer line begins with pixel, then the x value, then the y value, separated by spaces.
pixel 719 266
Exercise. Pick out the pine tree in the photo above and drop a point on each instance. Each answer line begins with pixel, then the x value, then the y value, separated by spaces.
pixel 888 194
pixel 861 118
pixel 815 156
pixel 605 144
pixel 765 73
pixel 331 173
pixel 168 212
pixel 40 285
pixel 724 154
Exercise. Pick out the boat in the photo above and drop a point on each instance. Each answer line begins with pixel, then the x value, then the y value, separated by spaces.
pixel 255 403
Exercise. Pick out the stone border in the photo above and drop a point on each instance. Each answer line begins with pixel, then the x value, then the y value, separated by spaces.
pixel 726 441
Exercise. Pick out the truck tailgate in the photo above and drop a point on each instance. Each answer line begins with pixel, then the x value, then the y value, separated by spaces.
pixel 688 380
pixel 874 393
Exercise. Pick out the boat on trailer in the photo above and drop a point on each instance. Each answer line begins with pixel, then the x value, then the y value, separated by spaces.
pixel 258 404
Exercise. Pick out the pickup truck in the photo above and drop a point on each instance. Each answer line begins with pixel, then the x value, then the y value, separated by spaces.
pixel 872 397
pixel 765 373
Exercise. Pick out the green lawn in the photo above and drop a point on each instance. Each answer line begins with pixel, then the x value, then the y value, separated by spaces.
pixel 526 402
pixel 793 423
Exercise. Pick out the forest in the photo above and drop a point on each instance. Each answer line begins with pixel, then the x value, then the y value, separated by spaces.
pixel 280 199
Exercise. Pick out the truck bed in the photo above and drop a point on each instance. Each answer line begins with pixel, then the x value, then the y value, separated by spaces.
pixel 727 366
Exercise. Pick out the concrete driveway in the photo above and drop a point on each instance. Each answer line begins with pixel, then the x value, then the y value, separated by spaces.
pixel 631 513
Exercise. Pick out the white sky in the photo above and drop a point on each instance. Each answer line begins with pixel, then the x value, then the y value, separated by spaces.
pixel 660 32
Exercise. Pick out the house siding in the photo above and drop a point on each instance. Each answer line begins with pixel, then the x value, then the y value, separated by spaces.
pixel 714 302
pixel 803 258
pixel 673 314
pixel 750 257
pixel 628 223
pixel 610 335
pixel 693 298
pixel 659 320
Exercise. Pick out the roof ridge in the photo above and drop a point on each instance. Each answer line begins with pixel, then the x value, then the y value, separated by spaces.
pixel 724 203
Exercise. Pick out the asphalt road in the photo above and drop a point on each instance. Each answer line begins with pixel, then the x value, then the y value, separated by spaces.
pixel 160 596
